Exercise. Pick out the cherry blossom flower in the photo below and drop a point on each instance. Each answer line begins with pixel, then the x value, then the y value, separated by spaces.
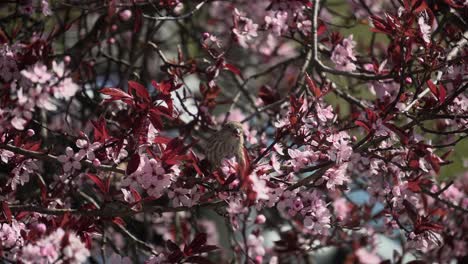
pixel 342 208
pixel 244 28
pixel 424 28
pixel 87 149
pixel 277 21
pixel 300 159
pixel 71 160
pixel 367 257
pixel 21 173
pixel 11 239
pixel 255 247
pixel 5 155
pixel 37 74
pixel 343 55
pixel 53 249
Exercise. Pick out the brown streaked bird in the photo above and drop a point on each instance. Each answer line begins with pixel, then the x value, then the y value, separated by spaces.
pixel 226 143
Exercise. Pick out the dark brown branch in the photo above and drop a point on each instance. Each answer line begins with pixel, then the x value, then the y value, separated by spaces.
pixel 52 158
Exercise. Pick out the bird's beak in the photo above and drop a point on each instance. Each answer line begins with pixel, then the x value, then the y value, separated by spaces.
pixel 237 133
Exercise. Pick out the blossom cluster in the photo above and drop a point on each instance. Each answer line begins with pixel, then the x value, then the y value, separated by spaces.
pixel 353 118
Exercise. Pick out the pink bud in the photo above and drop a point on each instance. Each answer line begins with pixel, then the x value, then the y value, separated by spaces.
pixel 96 162
pixel 125 15
pixel 206 35
pixel 260 219
pixel 114 27
pixel 409 80
pixel 111 40
pixel 67 59
pixel 30 132
pixel 40 228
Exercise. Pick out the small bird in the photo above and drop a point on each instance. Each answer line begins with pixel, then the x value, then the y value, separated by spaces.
pixel 226 143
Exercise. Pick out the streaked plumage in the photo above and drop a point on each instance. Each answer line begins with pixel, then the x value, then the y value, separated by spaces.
pixel 226 143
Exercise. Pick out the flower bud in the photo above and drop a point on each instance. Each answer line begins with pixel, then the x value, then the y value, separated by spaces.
pixel 260 219
pixel 125 15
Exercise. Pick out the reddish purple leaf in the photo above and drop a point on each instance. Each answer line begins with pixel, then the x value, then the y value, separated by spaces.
pixel 198 260
pixel 7 211
pixel 233 69
pixel 139 89
pixel 133 164
pixel 312 86
pixel 98 182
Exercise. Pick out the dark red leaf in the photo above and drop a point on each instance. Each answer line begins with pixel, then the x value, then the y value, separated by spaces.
pixel 161 140
pixel 98 182
pixel 119 221
pixel 7 211
pixel 363 125
pixel 312 86
pixel 115 93
pixel 133 164
pixel 139 89
pixel 198 260
pixel 155 119
pixel 233 69
pixel 197 242
pixel 442 93
pixel 411 210
pixel 136 195
pixel 439 93
pixel 414 186
pixel 138 20
pixel 434 160
pixel 172 246
pixel 268 95
pixel 100 130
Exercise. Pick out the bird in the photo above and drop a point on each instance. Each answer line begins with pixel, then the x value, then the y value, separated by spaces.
pixel 228 142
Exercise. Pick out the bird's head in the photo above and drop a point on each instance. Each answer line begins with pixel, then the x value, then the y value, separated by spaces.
pixel 233 129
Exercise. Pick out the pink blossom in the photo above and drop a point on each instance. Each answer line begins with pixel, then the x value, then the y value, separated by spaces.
pixel 51 249
pixel 63 86
pixel 184 197
pixel 210 40
pixel 244 28
pixel 255 246
pixel 300 159
pixel 317 217
pixel 151 176
pixel 10 236
pixel 260 219
pixel 5 155
pixel 343 55
pixel 367 257
pixel 342 208
pixel 87 149
pixel 341 150
pixel 259 186
pixel 324 113
pixel 125 15
pixel 37 74
pixel 424 28
pixel 21 173
pixel 70 160
pixel 277 22
pixel 45 8
pixel 336 176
